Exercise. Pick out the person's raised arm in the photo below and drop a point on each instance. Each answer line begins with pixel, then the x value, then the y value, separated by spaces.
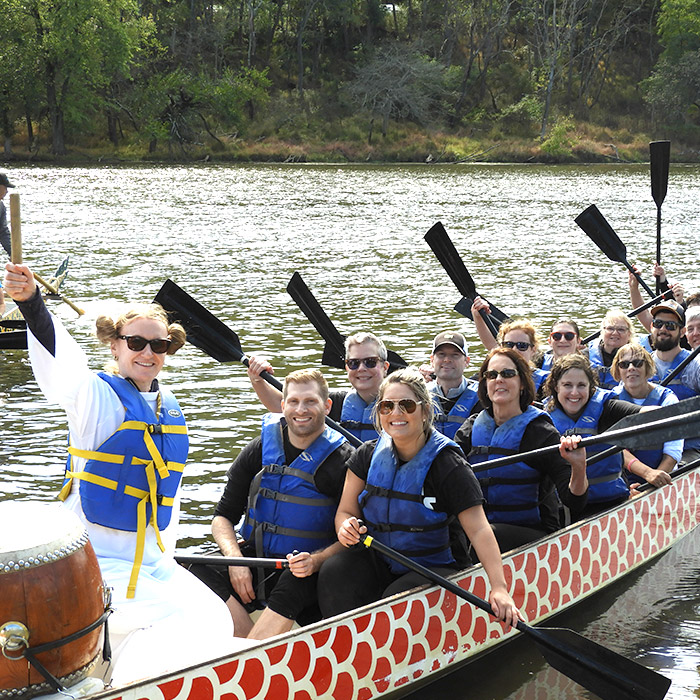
pixel 644 317
pixel 269 396
pixel 485 335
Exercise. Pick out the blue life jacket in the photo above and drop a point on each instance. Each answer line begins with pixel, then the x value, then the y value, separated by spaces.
pixel 595 357
pixel 547 361
pixel 605 480
pixel 356 417
pixel 393 509
pixel 539 376
pixel 285 509
pixel 651 457
pixel 682 391
pixel 449 423
pixel 131 479
pixel 645 342
pixel 511 491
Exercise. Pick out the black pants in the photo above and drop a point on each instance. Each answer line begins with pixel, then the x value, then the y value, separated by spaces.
pixel 356 577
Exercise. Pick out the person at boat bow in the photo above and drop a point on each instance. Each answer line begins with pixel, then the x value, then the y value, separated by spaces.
pixel 287 485
pixel 454 396
pixel 520 501
pixel 366 365
pixel 578 406
pixel 5 239
pixel 125 417
pixel 616 331
pixel 519 335
pixel 632 367
pixel 407 487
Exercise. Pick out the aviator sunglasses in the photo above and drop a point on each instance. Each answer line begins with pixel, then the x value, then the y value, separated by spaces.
pixel 405 406
pixel 557 335
pixel 624 364
pixel 137 343
pixel 517 344
pixel 368 362
pixel 670 325
pixel 507 373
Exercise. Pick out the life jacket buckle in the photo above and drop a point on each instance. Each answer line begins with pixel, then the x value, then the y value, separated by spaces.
pixel 268 493
pixel 275 469
pixel 270 527
pixel 155 429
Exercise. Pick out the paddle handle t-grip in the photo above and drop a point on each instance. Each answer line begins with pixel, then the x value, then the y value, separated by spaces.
pixel 15 230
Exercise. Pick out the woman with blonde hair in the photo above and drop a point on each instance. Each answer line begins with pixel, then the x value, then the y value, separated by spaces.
pixel 125 418
pixel 616 330
pixel 405 489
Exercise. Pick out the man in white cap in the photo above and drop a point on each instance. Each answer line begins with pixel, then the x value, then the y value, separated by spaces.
pixel 4 230
pixel 454 396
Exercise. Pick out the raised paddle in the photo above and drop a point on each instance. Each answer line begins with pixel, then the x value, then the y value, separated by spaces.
pixel 16 251
pixel 602 234
pixel 668 294
pixel 647 429
pixel 604 672
pixel 215 560
pixel 334 350
pixel 446 253
pixel 659 158
pixel 208 333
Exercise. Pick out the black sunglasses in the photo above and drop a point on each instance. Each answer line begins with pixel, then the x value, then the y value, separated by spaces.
pixel 637 362
pixel 517 344
pixel 507 373
pixel 137 343
pixel 405 406
pixel 557 335
pixel 368 362
pixel 670 325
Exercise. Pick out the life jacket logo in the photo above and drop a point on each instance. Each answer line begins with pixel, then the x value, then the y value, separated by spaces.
pixel 588 419
pixel 174 413
pixel 461 407
pixel 429 502
pixel 306 457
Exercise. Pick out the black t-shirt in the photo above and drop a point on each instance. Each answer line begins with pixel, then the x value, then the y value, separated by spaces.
pixel 553 467
pixel 329 477
pixel 450 480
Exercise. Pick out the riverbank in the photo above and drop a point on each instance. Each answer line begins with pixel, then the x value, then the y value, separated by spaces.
pixel 567 142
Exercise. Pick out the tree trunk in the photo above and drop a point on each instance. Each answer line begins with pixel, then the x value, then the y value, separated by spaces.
pixel 30 128
pixel 55 116
pixel 112 129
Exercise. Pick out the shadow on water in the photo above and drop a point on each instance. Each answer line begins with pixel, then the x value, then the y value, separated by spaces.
pixel 651 616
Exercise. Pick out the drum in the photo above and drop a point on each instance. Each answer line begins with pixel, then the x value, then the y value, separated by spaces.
pixel 51 589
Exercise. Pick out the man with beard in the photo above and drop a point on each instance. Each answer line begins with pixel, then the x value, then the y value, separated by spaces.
pixel 288 484
pixel 667 329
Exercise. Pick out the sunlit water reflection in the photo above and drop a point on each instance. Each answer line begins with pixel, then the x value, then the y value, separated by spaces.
pixel 233 237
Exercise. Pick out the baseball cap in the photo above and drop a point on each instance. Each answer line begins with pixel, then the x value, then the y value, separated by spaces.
pixel 5 181
pixel 451 338
pixel 672 307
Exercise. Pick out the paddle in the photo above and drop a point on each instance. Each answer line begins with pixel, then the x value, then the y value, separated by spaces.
pixel 215 560
pixel 606 673
pixel 16 251
pixel 668 294
pixel 602 234
pixel 449 258
pixel 208 333
pixel 647 429
pixel 334 349
pixel 664 382
pixel 659 157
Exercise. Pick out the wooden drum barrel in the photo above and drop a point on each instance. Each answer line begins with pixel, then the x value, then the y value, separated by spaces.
pixel 50 588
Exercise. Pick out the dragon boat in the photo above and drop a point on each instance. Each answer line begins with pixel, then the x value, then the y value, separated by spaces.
pixel 13 329
pixel 393 646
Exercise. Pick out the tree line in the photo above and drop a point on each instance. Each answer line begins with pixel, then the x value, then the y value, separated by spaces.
pixel 174 72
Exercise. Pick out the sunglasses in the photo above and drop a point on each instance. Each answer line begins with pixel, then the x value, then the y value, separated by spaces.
pixel 670 325
pixel 517 344
pixel 368 362
pixel 137 343
pixel 506 373
pixel 637 362
pixel 558 335
pixel 405 406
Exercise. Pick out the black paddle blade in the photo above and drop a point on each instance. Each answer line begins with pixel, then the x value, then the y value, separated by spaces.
pixel 650 428
pixel 306 301
pixel 602 234
pixel 606 673
pixel 331 358
pixel 464 307
pixel 659 157
pixel 449 258
pixel 204 330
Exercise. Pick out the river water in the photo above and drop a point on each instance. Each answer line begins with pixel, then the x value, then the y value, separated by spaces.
pixel 233 236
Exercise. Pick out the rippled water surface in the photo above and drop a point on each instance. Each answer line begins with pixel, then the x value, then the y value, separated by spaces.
pixel 233 237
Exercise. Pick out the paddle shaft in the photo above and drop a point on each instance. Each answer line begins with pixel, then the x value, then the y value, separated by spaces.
pixel 668 294
pixel 215 560
pixel 659 158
